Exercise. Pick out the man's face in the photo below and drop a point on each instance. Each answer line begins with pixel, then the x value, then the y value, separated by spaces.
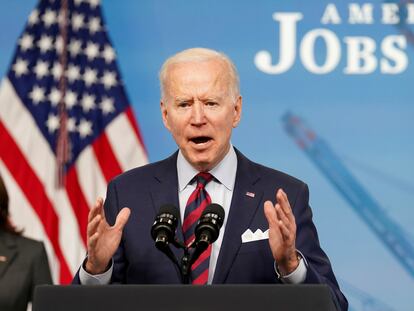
pixel 200 111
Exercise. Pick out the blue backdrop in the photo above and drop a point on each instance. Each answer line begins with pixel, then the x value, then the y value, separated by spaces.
pixel 351 81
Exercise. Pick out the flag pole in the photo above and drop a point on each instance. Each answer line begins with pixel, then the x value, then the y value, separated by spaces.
pixel 62 146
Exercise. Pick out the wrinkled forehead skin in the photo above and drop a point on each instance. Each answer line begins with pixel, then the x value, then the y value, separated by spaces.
pixel 203 79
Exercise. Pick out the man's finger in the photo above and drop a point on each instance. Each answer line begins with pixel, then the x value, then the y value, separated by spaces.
pixel 282 216
pixel 93 225
pixel 96 209
pixel 93 240
pixel 93 212
pixel 270 213
pixel 122 218
pixel 282 199
pixel 286 233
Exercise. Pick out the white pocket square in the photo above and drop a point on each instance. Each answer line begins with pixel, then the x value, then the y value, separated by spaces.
pixel 249 236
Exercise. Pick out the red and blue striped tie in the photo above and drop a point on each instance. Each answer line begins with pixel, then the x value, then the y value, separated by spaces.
pixel 196 204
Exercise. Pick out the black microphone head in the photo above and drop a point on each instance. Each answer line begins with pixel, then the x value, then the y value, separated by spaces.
pixel 165 224
pixel 217 209
pixel 169 209
pixel 208 227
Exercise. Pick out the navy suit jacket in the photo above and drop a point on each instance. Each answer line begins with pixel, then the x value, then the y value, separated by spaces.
pixel 146 188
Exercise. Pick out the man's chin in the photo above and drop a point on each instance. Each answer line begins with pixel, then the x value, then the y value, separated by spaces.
pixel 202 166
pixel 204 160
pixel 201 163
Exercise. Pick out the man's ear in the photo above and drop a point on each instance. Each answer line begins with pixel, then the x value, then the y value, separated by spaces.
pixel 237 111
pixel 164 114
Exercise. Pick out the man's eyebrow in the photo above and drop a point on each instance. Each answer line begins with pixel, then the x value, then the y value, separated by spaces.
pixel 206 99
pixel 182 99
pixel 203 99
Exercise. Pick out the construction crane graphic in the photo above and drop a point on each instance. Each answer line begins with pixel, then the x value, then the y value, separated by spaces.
pixel 396 240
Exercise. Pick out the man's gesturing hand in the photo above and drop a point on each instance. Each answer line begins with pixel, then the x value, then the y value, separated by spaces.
pixel 282 232
pixel 102 239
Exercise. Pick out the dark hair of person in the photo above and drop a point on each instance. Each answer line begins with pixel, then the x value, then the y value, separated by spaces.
pixel 5 224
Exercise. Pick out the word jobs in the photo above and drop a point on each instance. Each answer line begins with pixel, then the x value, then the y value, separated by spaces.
pixel 361 51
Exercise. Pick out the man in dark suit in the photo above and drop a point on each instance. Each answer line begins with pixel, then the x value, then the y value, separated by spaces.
pixel 268 235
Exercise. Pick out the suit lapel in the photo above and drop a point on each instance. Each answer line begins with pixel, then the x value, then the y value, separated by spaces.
pixel 243 208
pixel 8 252
pixel 165 184
pixel 164 190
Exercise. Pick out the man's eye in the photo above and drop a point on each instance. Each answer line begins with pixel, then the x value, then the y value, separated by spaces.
pixel 211 103
pixel 183 104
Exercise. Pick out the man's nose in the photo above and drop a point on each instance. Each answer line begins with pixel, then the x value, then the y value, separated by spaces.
pixel 198 115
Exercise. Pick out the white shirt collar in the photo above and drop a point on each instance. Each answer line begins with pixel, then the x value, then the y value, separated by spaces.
pixel 224 172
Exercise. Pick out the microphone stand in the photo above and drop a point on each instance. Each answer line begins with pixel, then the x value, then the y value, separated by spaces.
pixel 207 230
pixel 185 267
pixel 188 258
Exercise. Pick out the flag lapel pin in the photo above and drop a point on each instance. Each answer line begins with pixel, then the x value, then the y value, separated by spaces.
pixel 250 194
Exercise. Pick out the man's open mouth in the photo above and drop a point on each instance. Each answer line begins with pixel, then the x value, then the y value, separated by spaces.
pixel 200 139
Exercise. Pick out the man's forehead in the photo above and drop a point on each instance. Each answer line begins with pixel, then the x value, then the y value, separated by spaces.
pixel 208 79
pixel 208 68
pixel 203 91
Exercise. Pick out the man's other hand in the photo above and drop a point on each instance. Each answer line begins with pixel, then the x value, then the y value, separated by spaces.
pixel 282 233
pixel 103 239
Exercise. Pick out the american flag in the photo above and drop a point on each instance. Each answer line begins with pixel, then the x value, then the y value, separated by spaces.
pixel 66 127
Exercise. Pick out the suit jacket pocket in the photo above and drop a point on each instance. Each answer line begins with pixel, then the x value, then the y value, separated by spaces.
pixel 255 246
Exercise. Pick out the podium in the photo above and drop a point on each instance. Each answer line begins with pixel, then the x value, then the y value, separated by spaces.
pixel 183 298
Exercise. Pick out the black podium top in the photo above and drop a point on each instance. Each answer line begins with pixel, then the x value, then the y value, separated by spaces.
pixel 183 298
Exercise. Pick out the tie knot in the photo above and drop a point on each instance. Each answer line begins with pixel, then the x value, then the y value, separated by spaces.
pixel 203 179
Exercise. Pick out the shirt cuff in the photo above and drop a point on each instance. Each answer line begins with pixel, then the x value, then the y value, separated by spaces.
pixel 298 275
pixel 95 279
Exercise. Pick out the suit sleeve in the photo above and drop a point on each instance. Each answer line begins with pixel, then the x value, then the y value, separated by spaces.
pixel 319 268
pixel 112 209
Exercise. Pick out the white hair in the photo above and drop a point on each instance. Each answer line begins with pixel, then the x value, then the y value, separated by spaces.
pixel 198 55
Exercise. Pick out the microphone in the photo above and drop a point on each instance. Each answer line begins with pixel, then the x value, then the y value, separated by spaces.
pixel 207 229
pixel 164 226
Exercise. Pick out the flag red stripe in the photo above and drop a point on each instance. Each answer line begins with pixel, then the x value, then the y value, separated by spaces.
pixel 107 160
pixel 77 201
pixel 130 114
pixel 34 191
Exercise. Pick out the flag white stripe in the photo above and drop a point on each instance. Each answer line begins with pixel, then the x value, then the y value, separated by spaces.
pixel 93 182
pixel 125 145
pixel 70 239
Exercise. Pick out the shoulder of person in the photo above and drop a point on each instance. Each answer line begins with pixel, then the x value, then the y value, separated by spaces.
pixel 147 170
pixel 271 175
pixel 23 242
